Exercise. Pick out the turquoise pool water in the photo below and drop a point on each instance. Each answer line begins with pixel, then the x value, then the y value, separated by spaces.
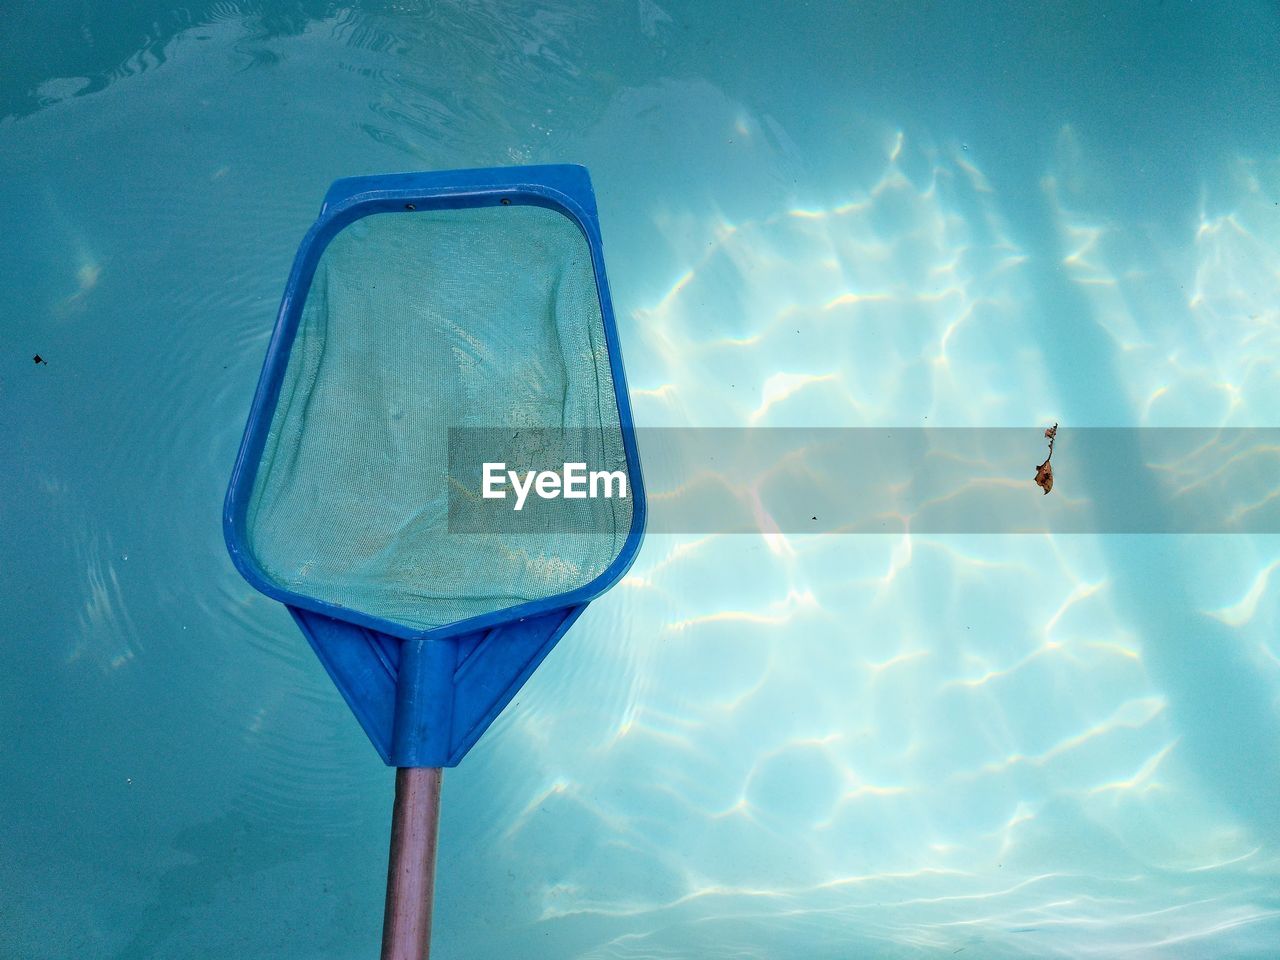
pixel 773 747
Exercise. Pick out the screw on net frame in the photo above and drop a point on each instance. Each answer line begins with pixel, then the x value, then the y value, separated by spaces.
pixel 433 322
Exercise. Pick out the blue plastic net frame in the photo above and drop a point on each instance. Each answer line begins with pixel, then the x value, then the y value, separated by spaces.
pixel 565 188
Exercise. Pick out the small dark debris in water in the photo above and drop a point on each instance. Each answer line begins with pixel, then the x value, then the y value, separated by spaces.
pixel 1044 472
pixel 39 360
pixel 506 202
pixel 813 518
pixel 410 206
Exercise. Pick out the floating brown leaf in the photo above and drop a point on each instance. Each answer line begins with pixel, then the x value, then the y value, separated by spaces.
pixel 1044 476
pixel 1044 472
